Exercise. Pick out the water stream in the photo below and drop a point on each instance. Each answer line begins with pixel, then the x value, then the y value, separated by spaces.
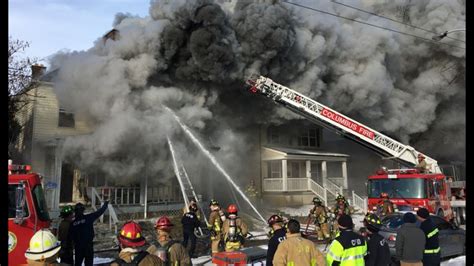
pixel 215 162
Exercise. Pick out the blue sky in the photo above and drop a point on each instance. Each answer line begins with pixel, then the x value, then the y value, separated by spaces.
pixel 53 25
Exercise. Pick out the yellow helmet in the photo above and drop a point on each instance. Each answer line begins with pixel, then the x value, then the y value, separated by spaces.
pixel 43 245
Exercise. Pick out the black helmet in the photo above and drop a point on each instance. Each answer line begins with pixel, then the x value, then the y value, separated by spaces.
pixel 372 222
pixel 79 208
pixel 66 211
pixel 214 202
pixel 317 201
pixel 274 219
pixel 340 197
pixel 193 208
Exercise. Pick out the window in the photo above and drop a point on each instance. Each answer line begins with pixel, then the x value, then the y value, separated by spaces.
pixel 309 138
pixel 273 136
pixel 40 203
pixel 66 119
pixel 398 188
pixel 12 202
pixel 275 169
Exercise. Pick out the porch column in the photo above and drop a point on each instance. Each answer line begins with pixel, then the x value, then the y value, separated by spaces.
pixel 56 177
pixel 324 172
pixel 344 175
pixel 284 175
pixel 308 173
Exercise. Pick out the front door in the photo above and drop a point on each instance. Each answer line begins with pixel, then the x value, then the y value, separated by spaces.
pixel 67 179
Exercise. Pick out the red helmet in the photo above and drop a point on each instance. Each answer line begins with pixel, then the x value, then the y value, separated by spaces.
pixel 232 208
pixel 274 219
pixel 131 235
pixel 164 223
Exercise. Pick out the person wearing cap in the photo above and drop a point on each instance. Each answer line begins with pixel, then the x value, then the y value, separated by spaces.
pixel 190 222
pixel 131 243
pixel 278 235
pixel 82 230
pixel 296 250
pixel 378 252
pixel 174 252
pixel 431 254
pixel 43 250
pixel 348 248
pixel 422 166
pixel 410 242
pixel 64 235
pixel 216 219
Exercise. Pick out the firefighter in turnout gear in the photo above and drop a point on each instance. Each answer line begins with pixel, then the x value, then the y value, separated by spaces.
pixel 131 242
pixel 277 236
pixel 167 249
pixel 378 252
pixel 422 166
pixel 341 207
pixel 320 216
pixel 296 250
pixel 251 191
pixel 234 230
pixel 348 248
pixel 64 235
pixel 387 206
pixel 44 249
pixel 216 218
pixel 431 254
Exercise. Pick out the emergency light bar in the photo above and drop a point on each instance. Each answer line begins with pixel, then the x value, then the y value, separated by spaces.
pixel 18 168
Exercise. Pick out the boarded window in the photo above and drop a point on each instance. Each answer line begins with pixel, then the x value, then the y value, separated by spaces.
pixel 66 119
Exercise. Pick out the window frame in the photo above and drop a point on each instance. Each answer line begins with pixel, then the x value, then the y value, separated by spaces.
pixel 69 115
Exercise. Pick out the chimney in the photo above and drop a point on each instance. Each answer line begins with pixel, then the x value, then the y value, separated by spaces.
pixel 37 71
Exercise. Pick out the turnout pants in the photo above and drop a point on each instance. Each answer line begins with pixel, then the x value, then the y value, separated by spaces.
pixel 189 235
pixel 431 259
pixel 402 263
pixel 85 254
pixel 323 231
pixel 215 243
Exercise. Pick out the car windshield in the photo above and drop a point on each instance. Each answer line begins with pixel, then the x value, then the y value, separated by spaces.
pixel 398 188
pixel 40 203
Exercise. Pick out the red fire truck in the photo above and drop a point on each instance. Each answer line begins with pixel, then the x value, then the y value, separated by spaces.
pixel 27 211
pixel 408 188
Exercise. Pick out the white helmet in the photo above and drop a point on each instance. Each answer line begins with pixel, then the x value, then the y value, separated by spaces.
pixel 43 245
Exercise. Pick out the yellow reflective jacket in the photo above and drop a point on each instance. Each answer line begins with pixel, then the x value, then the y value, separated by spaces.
pixel 348 248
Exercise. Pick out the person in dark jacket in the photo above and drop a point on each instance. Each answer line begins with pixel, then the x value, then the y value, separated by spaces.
pixel 431 255
pixel 82 229
pixel 278 234
pixel 64 235
pixel 190 222
pixel 410 242
pixel 378 252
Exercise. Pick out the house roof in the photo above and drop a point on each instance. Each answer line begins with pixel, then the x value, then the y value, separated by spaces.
pixel 49 76
pixel 276 153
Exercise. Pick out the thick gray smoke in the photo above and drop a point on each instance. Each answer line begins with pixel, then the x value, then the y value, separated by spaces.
pixel 194 56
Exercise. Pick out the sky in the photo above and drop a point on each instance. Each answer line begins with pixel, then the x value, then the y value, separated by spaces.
pixel 53 25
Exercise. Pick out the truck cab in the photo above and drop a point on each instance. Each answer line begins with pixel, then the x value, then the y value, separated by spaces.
pixel 27 210
pixel 410 189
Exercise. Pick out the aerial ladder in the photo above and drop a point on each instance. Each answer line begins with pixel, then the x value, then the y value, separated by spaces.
pixel 335 121
pixel 342 125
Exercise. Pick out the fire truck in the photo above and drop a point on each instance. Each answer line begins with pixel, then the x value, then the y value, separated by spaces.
pixel 27 211
pixel 408 188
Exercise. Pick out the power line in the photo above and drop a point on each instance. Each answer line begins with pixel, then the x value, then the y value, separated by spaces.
pixel 406 24
pixel 373 25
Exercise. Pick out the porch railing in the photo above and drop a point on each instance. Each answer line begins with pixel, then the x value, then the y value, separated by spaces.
pixel 297 184
pixel 113 219
pixel 337 180
pixel 359 202
pixel 273 184
pixel 130 196
pixel 333 188
pixel 319 191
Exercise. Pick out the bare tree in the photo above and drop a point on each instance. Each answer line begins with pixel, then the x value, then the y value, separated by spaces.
pixel 20 83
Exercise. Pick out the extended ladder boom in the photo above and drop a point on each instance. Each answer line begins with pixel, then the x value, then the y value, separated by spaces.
pixel 338 122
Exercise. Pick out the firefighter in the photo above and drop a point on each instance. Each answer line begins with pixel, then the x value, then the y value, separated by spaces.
pixel 131 242
pixel 277 236
pixel 216 218
pixel 422 166
pixel 320 218
pixel 387 205
pixel 167 249
pixel 234 230
pixel 348 248
pixel 190 222
pixel 378 252
pixel 431 254
pixel 341 207
pixel 44 249
pixel 295 250
pixel 64 236
pixel 82 230
pixel 251 191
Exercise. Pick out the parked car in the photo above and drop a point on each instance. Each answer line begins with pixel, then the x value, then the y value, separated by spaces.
pixel 452 239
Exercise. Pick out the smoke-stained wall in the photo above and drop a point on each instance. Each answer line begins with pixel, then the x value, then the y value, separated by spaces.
pixel 194 56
